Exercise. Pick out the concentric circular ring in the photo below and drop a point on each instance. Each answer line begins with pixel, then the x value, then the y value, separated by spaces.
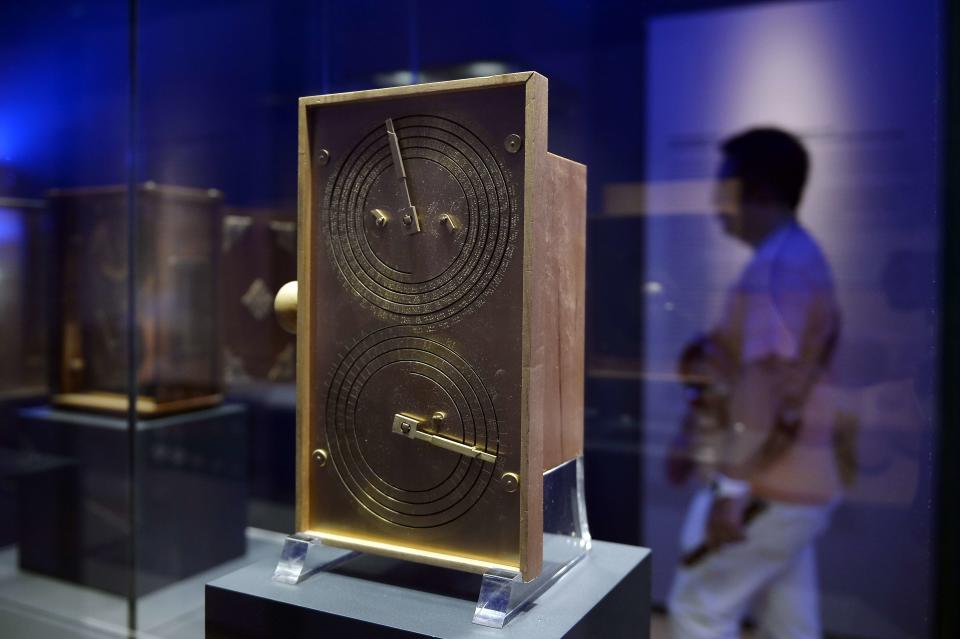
pixel 490 227
pixel 398 352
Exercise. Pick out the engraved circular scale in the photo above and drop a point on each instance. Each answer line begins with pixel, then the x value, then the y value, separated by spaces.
pixel 420 217
pixel 391 472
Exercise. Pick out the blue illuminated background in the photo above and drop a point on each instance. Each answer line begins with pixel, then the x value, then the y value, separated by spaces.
pixel 858 81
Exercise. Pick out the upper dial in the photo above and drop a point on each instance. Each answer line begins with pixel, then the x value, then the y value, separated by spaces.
pixel 420 217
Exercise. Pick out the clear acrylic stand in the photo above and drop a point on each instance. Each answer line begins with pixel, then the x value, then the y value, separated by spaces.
pixel 294 566
pixel 566 540
pixel 503 593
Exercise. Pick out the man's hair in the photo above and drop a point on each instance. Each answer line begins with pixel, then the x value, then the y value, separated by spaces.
pixel 769 159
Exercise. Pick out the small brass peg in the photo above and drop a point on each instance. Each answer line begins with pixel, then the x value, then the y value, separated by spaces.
pixel 449 221
pixel 380 216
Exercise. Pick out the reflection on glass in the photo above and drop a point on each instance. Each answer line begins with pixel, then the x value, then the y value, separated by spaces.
pixel 694 324
pixel 763 422
pixel 870 205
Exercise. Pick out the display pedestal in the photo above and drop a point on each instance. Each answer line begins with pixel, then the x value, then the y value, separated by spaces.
pixel 607 594
pixel 271 440
pixel 12 464
pixel 190 496
pixel 566 541
pixel 35 483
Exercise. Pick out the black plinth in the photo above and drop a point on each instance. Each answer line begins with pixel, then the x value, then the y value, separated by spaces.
pixel 605 595
pixel 11 464
pixel 55 478
pixel 190 496
pixel 272 438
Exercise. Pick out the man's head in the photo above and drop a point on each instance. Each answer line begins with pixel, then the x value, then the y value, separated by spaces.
pixel 761 182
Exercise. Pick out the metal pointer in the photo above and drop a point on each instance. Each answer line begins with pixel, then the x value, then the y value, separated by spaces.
pixel 408 213
pixel 409 426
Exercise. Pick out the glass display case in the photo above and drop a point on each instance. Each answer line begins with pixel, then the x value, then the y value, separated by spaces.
pixel 175 272
pixel 148 396
pixel 24 300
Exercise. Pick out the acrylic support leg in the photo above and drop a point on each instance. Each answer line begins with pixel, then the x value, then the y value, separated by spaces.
pixel 294 565
pixel 566 541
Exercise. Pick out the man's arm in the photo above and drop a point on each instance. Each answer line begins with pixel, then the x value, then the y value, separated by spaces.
pixel 770 392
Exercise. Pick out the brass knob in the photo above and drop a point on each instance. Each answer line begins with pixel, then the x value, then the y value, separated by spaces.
pixel 511 482
pixel 320 456
pixel 285 307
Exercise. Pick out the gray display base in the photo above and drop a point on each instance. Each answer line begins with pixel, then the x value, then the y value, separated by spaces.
pixel 606 595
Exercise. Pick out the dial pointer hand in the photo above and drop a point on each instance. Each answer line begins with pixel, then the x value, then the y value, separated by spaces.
pixel 408 213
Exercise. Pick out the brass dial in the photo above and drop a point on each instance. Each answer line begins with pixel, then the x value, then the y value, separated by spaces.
pixel 421 219
pixel 408 480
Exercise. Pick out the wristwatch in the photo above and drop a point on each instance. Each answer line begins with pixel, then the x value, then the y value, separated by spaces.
pixel 724 486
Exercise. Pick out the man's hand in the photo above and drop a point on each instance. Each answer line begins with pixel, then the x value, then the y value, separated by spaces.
pixel 725 521
pixel 680 458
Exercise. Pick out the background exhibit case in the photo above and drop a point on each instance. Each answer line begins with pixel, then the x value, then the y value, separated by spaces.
pixel 77 501
pixel 259 247
pixel 439 314
pixel 24 308
pixel 178 240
